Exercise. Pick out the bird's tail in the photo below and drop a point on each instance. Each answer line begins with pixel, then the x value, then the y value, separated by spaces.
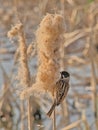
pixel 51 109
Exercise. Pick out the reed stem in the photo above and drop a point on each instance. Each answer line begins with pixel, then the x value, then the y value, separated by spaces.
pixel 54 120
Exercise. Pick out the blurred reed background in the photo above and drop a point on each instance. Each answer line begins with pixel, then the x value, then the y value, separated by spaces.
pixel 19 65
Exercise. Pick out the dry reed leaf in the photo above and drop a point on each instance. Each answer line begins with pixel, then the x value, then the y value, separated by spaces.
pixel 73 17
pixel 87 127
pixel 77 34
pixel 16 56
pixel 76 59
pixel 73 125
pixel 71 2
pixel 3 51
pixel 31 50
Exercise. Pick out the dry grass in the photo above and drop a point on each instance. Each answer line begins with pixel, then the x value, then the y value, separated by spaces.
pixel 65 39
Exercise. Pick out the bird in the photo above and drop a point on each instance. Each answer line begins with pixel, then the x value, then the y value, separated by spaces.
pixel 62 87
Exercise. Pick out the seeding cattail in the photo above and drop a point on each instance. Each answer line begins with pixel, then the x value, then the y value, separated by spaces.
pixel 49 37
pixel 23 73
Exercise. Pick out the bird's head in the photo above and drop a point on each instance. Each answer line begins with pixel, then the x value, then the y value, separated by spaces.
pixel 64 74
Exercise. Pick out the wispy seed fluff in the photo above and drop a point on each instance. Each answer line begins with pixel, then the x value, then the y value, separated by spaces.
pixel 23 71
pixel 49 36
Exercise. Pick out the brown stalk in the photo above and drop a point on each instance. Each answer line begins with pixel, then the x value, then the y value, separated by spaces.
pixel 85 121
pixel 93 77
pixel 62 65
pixel 22 115
pixel 54 120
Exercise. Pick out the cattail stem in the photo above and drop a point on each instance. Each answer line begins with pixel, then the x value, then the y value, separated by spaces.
pixel 63 104
pixel 22 115
pixel 29 114
pixel 54 116
pixel 93 81
pixel 54 120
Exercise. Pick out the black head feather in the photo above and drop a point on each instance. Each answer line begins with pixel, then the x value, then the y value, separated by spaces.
pixel 64 74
